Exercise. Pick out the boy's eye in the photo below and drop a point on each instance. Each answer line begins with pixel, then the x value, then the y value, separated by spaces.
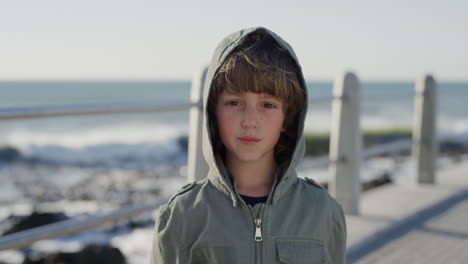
pixel 233 103
pixel 269 105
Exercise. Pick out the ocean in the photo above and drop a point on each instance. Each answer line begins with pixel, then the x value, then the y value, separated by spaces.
pixel 150 140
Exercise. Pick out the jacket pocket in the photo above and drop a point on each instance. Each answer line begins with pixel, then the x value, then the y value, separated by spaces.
pixel 208 255
pixel 301 251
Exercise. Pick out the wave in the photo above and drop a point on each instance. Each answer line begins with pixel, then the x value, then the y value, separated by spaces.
pixel 141 145
pixel 447 125
pixel 146 155
pixel 138 147
pixel 86 137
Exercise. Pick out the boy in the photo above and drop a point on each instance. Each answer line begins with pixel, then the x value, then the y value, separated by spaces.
pixel 252 208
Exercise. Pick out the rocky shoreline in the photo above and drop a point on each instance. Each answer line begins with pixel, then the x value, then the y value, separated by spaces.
pixel 74 191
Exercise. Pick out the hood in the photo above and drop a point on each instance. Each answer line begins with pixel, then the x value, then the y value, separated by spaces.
pixel 218 175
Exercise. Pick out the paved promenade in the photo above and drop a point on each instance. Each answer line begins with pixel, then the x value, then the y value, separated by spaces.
pixel 413 224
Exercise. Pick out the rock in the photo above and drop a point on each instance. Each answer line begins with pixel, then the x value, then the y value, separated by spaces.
pixel 454 147
pixel 91 254
pixel 183 142
pixel 34 220
pixel 365 186
pixel 134 224
pixel 379 181
pixel 9 153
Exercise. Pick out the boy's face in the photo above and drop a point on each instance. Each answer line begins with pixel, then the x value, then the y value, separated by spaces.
pixel 249 125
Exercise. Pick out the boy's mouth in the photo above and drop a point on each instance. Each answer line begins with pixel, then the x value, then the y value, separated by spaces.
pixel 249 140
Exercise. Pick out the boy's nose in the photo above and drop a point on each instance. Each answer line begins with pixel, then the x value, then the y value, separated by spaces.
pixel 248 123
pixel 250 118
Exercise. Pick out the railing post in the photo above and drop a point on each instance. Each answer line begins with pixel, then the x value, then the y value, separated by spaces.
pixel 345 143
pixel 197 167
pixel 424 132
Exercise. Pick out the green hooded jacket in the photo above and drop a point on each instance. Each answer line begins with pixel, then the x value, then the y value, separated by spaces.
pixel 208 222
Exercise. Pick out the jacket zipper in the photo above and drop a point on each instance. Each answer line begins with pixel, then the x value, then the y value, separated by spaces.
pixel 258 236
pixel 258 229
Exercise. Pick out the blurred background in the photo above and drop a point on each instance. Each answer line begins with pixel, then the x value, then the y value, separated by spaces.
pixel 56 52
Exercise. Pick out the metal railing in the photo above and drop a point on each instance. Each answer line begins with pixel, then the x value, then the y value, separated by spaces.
pixel 72 226
pixel 27 112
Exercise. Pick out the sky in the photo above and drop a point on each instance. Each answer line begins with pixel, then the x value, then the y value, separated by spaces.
pixel 171 40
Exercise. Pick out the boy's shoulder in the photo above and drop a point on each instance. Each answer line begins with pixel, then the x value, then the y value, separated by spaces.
pixel 178 199
pixel 318 193
pixel 185 190
pixel 312 182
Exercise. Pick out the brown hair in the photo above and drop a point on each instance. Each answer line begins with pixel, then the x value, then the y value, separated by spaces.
pixel 260 65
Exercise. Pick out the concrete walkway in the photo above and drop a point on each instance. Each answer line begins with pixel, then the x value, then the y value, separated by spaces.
pixel 413 224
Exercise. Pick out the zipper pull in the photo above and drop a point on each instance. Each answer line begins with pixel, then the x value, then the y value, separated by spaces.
pixel 258 229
